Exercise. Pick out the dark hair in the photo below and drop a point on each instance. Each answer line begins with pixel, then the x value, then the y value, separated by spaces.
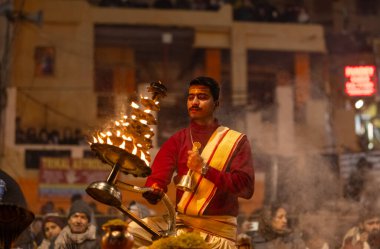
pixel 209 82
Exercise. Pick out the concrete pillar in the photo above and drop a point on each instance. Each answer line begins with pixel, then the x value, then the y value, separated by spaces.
pixel 10 118
pixel 285 121
pixel 124 79
pixel 239 66
pixel 302 80
pixel 214 63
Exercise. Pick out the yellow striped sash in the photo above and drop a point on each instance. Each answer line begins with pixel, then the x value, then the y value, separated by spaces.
pixel 216 154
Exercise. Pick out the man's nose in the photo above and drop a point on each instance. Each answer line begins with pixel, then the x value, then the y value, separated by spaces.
pixel 195 100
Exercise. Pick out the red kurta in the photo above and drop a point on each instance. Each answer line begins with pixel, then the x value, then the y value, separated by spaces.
pixel 237 181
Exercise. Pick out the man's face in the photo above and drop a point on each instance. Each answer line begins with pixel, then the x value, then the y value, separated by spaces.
pixel 200 104
pixel 51 230
pixel 78 223
pixel 371 225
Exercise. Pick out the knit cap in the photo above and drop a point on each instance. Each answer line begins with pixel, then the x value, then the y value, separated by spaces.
pixel 80 206
pixel 55 218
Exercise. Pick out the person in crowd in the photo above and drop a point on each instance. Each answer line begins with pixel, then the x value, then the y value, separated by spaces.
pixel 31 136
pixel 183 4
pixel 67 136
pixel 52 225
pixel 79 233
pixel 357 180
pixel 244 11
pixel 220 160
pixel 47 207
pixel 162 4
pixel 43 136
pixel 79 138
pixel 367 225
pixel 303 15
pixel 54 137
pixel 265 12
pixel 274 232
pixel 250 225
pixel 37 230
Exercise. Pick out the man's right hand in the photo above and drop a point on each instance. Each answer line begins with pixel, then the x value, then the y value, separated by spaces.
pixel 153 197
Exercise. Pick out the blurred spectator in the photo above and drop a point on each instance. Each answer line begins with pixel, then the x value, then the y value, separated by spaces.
pixel 52 225
pixel 79 138
pixel 75 197
pixel 54 137
pixel 31 135
pixel 43 136
pixel 357 180
pixel 214 5
pixel 37 230
pixel 290 13
pixel 273 231
pixel 240 219
pixel 265 12
pixel 367 225
pixel 182 4
pixel 199 5
pixel 79 232
pixel 303 15
pixel 244 11
pixel 162 4
pixel 251 225
pixel 48 207
pixel 67 136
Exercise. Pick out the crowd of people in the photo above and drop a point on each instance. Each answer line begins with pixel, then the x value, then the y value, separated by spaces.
pixel 273 226
pixel 264 11
pixel 243 10
pixel 67 136
pixel 81 226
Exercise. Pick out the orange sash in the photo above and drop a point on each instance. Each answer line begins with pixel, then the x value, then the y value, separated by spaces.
pixel 216 154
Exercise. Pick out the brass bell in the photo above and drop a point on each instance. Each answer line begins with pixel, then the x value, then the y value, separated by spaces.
pixel 187 182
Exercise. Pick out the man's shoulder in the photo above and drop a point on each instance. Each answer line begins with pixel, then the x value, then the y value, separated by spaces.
pixel 179 133
pixel 231 129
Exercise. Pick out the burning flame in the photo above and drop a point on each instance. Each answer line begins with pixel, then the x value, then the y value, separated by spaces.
pixel 134 138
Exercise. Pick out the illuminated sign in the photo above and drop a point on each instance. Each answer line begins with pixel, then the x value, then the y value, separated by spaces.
pixel 360 80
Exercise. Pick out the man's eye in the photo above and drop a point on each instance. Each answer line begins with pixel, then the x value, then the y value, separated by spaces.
pixel 190 97
pixel 203 96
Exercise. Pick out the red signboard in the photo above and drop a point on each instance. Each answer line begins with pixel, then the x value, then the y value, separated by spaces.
pixel 360 80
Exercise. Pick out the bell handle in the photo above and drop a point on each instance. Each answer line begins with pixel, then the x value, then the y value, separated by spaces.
pixel 165 199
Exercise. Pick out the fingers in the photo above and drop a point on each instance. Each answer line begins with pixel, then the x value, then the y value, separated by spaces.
pixel 194 161
pixel 153 197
